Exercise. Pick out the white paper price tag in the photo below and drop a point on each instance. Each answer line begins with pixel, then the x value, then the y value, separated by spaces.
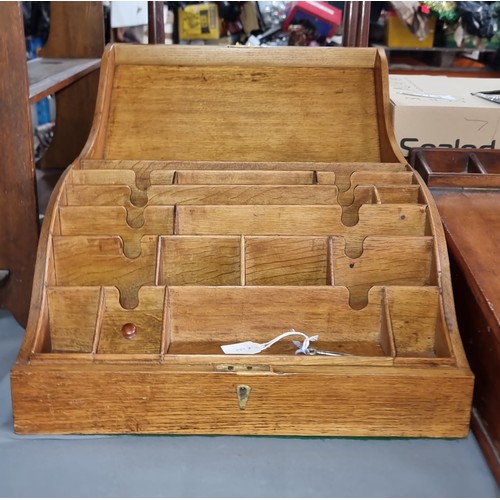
pixel 243 348
pixel 249 347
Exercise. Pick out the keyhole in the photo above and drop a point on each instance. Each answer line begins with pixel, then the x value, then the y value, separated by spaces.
pixel 243 393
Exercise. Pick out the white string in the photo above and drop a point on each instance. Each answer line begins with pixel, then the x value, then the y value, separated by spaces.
pixel 254 348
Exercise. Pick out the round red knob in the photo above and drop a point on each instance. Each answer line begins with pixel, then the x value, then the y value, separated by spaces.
pixel 129 331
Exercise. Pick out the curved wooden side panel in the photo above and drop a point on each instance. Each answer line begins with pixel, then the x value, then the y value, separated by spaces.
pixel 94 147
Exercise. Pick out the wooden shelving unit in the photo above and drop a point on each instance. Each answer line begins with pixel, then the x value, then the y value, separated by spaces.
pixel 69 69
pixel 47 76
pixel 439 61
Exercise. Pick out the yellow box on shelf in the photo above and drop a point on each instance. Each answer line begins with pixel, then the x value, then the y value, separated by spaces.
pixel 397 34
pixel 199 22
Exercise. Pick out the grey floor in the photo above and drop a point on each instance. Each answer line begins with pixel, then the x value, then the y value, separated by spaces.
pixel 168 466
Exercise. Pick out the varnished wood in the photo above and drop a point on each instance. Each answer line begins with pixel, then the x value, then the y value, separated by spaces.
pixel 286 261
pixel 200 261
pixel 48 76
pixel 342 169
pixel 104 195
pixel 243 177
pixel 234 314
pixel 76 31
pixel 209 140
pixel 71 310
pixel 472 224
pixel 147 317
pixel 186 227
pixel 85 261
pixel 91 221
pixel 156 23
pixel 18 201
pixel 384 261
pixel 347 396
pixel 69 35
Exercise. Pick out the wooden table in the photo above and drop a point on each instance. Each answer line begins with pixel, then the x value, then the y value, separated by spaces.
pixel 471 219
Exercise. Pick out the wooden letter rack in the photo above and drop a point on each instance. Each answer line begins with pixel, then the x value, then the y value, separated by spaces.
pixel 229 195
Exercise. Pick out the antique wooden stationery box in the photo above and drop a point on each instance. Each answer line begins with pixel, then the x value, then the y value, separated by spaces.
pixel 229 195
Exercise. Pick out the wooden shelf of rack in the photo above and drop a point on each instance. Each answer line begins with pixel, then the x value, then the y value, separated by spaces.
pixel 47 76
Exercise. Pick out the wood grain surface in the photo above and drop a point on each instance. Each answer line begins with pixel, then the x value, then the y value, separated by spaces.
pixel 353 401
pixel 229 195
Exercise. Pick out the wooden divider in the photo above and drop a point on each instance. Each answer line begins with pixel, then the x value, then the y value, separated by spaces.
pixel 113 177
pixel 192 260
pixel 141 169
pixel 384 261
pixel 244 255
pixel 288 220
pixel 347 184
pixel 97 195
pixel 197 320
pixel 104 221
pixel 89 261
pixel 114 195
pixel 243 195
pixel 287 260
pixel 72 317
pixel 218 177
pixel 416 317
pixel 370 194
pixel 148 320
pixel 204 318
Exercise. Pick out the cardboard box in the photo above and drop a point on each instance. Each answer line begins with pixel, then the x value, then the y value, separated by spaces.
pixel 439 111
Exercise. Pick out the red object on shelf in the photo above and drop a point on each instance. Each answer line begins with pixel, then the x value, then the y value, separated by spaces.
pixel 325 18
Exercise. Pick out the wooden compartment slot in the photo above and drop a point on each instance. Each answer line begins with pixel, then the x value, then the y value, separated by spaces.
pixel 343 169
pixel 457 168
pixel 259 220
pixel 384 261
pixel 204 318
pixel 348 182
pixel 486 162
pixel 417 322
pixel 113 177
pixel 103 221
pixel 141 169
pixel 92 261
pixel 242 195
pixel 286 261
pixel 244 177
pixel 144 324
pixel 73 311
pixel 396 194
pixel 377 195
pixel 97 195
pixel 305 220
pixel 200 260
pixel 103 195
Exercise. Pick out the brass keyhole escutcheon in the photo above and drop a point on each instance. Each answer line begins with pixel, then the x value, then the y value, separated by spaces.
pixel 243 393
